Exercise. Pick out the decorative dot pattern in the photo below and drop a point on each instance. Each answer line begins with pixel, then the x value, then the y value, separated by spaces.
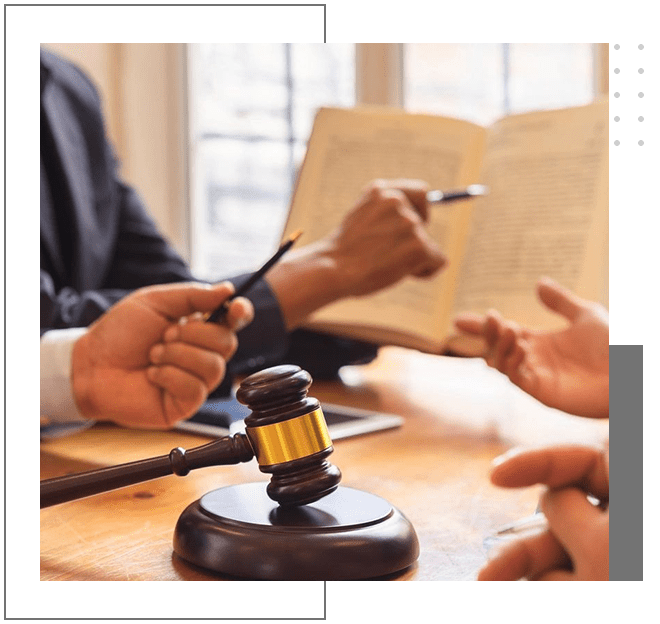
pixel 638 82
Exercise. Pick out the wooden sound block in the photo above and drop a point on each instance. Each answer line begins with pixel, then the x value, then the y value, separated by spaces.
pixel 347 535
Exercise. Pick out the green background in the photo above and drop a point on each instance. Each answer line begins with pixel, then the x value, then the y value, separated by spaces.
pixel 634 240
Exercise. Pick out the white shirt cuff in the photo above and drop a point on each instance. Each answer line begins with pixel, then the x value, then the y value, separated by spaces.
pixel 57 401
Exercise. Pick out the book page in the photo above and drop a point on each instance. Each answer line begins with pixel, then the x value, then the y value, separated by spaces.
pixel 350 148
pixel 546 214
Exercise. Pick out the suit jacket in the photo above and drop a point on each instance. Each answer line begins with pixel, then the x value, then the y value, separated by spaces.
pixel 98 242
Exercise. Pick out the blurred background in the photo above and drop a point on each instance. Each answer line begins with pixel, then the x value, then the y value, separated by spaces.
pixel 212 134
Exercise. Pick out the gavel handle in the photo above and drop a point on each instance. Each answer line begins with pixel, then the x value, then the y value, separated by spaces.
pixel 223 451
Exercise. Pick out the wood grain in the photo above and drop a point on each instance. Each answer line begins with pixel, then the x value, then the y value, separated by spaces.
pixel 459 416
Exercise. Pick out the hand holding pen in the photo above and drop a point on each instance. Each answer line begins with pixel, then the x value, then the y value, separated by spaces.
pixel 356 243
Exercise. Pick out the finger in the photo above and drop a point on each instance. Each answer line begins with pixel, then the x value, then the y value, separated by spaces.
pixel 206 365
pixel 556 467
pixel 177 300
pixel 418 253
pixel 240 313
pixel 513 363
pixel 414 190
pixel 505 346
pixel 470 323
pixel 526 557
pixel 210 336
pixel 570 517
pixel 559 299
pixel 184 393
pixel 492 328
pixel 431 257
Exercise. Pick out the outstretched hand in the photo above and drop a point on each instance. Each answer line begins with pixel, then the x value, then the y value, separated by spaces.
pixel 566 369
pixel 575 547
pixel 151 360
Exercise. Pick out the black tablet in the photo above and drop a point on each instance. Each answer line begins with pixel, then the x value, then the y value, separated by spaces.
pixel 222 417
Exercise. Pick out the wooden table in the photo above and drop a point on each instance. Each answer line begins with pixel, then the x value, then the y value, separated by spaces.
pixel 458 414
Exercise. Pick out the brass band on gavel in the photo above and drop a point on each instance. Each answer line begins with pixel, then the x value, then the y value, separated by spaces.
pixel 291 439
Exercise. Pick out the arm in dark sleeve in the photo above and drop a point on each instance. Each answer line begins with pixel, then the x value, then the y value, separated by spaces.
pixel 68 308
pixel 142 255
pixel 265 342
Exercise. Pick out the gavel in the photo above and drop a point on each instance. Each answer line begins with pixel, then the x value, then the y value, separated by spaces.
pixel 286 432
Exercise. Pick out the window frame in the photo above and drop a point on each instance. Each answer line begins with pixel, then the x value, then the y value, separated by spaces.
pixel 379 80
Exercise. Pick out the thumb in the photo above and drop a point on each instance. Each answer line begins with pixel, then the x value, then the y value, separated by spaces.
pixel 470 322
pixel 177 300
pixel 559 299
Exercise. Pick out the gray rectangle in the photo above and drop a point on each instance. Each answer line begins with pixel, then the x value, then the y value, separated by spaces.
pixel 626 462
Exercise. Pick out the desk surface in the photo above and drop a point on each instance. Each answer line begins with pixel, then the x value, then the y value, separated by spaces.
pixel 458 414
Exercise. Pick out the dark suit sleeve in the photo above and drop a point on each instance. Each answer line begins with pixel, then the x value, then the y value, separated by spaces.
pixel 142 256
pixel 67 307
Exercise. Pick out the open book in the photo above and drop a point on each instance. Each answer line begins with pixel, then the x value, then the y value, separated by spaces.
pixel 546 213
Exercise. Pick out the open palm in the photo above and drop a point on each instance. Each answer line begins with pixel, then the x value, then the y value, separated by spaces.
pixel 566 369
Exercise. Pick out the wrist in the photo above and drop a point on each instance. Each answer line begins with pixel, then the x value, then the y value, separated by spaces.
pixel 58 404
pixel 82 368
pixel 306 280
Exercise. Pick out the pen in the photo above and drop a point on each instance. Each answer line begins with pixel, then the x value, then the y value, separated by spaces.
pixel 530 523
pixel 218 315
pixel 473 190
pixel 539 521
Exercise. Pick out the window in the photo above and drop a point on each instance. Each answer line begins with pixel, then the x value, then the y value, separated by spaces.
pixel 483 81
pixel 252 106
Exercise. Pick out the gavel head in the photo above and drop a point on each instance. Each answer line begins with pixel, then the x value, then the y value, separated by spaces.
pixel 289 436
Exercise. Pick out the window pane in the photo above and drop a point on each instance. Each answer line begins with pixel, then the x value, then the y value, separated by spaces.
pixel 483 81
pixel 454 79
pixel 550 75
pixel 251 111
pixel 240 89
pixel 243 194
pixel 323 75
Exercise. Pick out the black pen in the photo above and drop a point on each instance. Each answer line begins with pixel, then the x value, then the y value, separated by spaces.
pixel 218 315
pixel 474 190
